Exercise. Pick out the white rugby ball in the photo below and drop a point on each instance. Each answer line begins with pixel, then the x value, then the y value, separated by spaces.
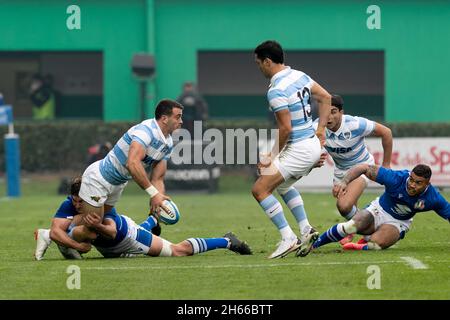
pixel 171 215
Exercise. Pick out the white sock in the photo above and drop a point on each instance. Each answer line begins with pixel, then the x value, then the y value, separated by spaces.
pixel 287 233
pixel 47 234
pixel 304 226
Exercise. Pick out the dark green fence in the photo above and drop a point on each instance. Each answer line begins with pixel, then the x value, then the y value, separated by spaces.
pixel 63 145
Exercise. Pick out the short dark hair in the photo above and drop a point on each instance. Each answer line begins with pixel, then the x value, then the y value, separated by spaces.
pixel 270 49
pixel 165 107
pixel 422 170
pixel 337 101
pixel 75 186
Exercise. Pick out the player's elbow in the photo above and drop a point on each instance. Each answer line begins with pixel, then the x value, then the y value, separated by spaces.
pixel 285 130
pixel 388 134
pixel 111 234
pixel 53 234
pixel 131 164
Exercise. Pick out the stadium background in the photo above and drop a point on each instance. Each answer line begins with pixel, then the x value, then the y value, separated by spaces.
pixel 397 75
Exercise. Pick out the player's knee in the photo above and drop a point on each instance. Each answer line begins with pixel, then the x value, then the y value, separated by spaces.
pixel 344 207
pixel 256 191
pixel 362 221
pixel 181 250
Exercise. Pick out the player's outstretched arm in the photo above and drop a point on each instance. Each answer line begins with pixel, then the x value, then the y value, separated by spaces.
pixel 386 140
pixel 107 227
pixel 442 207
pixel 58 233
pixel 134 165
pixel 371 171
pixel 137 171
pixel 157 176
pixel 323 99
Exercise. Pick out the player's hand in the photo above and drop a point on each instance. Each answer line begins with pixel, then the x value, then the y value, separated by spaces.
pixel 321 161
pixel 84 247
pixel 264 162
pixel 386 165
pixel 92 220
pixel 339 189
pixel 156 203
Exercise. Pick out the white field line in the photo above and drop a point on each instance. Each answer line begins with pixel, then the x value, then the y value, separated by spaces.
pixel 414 263
pixel 272 265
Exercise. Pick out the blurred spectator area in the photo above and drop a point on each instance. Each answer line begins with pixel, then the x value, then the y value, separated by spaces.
pixel 237 89
pixel 77 81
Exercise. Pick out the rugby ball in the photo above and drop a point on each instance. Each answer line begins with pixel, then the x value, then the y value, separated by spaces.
pixel 171 215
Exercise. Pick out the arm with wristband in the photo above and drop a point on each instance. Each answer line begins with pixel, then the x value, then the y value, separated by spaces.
pixel 137 171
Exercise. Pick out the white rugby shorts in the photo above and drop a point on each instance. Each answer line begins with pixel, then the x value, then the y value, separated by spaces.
pixel 382 217
pixel 297 159
pixel 96 191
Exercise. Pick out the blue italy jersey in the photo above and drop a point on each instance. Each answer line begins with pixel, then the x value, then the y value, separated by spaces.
pixel 121 228
pixel 291 90
pixel 398 203
pixel 66 210
pixel 149 135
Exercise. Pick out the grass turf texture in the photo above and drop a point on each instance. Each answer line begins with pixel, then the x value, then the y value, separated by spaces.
pixel 328 273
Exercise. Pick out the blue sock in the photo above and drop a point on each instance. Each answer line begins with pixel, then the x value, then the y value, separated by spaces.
pixel 200 245
pixel 294 202
pixel 334 234
pixel 149 224
pixel 272 207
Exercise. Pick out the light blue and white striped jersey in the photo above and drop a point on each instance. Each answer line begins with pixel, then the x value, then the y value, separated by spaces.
pixel 346 146
pixel 149 135
pixel 291 89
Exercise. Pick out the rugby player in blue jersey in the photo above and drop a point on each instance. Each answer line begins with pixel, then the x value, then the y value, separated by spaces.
pixel 389 217
pixel 290 94
pixel 346 145
pixel 117 235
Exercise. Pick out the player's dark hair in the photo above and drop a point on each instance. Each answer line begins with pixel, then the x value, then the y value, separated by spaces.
pixel 337 101
pixel 165 107
pixel 422 170
pixel 270 49
pixel 75 186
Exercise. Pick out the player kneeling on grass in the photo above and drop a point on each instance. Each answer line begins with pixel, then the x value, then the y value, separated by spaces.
pixel 387 218
pixel 118 235
pixel 72 241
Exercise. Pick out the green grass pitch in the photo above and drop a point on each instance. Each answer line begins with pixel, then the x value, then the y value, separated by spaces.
pixel 328 273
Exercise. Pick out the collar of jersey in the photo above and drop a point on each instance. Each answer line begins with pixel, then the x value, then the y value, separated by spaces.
pixel 279 74
pixel 160 132
pixel 338 131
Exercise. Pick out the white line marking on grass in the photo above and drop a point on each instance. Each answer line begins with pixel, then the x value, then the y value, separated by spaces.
pixel 272 265
pixel 414 263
